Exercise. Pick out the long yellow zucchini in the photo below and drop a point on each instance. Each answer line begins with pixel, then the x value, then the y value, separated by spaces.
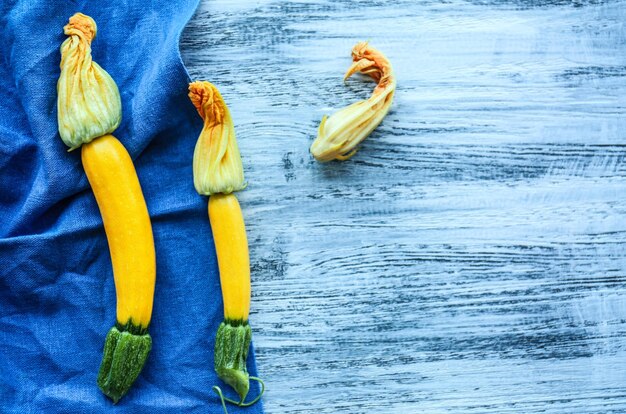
pixel 89 109
pixel 231 246
pixel 218 171
pixel 114 181
pixel 234 334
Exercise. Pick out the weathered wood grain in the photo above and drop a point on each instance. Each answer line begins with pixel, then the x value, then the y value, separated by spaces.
pixel 472 256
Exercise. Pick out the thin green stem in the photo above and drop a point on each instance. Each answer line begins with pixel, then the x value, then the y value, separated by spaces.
pixel 218 390
pixel 224 399
pixel 248 404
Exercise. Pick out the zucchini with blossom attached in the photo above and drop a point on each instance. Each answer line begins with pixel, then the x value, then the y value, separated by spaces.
pixel 218 171
pixel 89 110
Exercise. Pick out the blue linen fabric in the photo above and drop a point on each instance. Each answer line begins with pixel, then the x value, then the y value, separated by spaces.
pixel 57 296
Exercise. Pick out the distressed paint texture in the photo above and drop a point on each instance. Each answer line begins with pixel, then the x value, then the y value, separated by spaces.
pixel 471 257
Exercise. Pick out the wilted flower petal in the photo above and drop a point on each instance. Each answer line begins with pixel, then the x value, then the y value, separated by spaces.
pixel 89 104
pixel 339 134
pixel 217 164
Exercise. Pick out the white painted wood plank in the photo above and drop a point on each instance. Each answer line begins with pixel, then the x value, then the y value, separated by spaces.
pixel 471 257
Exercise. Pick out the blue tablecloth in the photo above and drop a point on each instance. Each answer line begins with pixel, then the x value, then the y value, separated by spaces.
pixel 57 297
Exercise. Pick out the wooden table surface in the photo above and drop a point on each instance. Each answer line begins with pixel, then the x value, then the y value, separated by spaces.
pixel 472 256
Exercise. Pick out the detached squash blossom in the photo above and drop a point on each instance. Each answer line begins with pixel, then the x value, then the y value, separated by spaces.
pixel 218 171
pixel 339 134
pixel 89 109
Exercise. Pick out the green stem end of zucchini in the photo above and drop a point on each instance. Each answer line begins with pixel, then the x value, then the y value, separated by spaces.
pixel 124 356
pixel 231 351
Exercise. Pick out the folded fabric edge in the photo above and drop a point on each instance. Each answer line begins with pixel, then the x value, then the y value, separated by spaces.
pixel 186 21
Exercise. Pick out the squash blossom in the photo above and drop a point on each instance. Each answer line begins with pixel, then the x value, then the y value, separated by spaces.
pixel 217 166
pixel 89 104
pixel 339 134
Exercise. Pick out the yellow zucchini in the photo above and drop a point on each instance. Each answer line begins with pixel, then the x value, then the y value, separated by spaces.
pixel 218 171
pixel 231 246
pixel 89 110
pixel 114 182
